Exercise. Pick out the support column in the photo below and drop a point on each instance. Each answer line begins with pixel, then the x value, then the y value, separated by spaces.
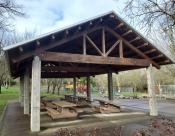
pixel 151 92
pixel 75 87
pixel 118 84
pixel 21 97
pixel 110 86
pixel 26 91
pixel 35 95
pixel 88 88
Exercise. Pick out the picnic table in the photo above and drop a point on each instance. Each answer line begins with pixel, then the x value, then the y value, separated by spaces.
pixel 63 105
pixel 64 109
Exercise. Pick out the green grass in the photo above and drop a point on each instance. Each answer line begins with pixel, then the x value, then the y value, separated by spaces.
pixel 8 94
pixel 52 95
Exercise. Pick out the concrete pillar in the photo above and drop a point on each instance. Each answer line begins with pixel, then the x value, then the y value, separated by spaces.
pixel 88 88
pixel 75 86
pixel 151 92
pixel 110 86
pixel 26 91
pixel 21 94
pixel 35 95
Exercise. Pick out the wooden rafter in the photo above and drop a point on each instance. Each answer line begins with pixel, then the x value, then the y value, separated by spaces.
pixel 126 33
pixel 157 57
pixel 52 45
pixel 84 44
pixel 121 49
pixel 103 41
pixel 92 59
pixel 120 25
pixel 150 51
pixel 94 45
pixel 135 39
pixel 143 45
pixel 132 47
pixel 163 62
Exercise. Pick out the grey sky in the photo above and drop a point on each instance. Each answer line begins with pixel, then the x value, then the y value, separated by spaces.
pixel 48 15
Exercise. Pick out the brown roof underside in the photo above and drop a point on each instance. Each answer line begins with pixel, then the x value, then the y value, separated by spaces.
pixel 70 40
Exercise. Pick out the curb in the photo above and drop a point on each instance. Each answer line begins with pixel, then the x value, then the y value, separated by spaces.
pixel 2 117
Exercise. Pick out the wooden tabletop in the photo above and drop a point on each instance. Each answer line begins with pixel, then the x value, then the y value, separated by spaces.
pixel 64 104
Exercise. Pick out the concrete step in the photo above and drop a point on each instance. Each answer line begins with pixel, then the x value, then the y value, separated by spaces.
pixel 96 124
pixel 46 121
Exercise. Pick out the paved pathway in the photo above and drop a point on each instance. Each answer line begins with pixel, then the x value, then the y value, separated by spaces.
pixel 165 107
pixel 15 122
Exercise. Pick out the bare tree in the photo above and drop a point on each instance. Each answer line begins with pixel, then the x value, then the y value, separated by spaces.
pixel 152 12
pixel 56 83
pixel 8 10
pixel 3 71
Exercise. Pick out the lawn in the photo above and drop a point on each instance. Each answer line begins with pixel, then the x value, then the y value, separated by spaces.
pixel 8 94
pixel 12 93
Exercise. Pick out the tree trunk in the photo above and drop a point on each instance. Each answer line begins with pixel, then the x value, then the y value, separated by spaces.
pixel 53 91
pixel 48 88
pixel 0 87
pixel 58 90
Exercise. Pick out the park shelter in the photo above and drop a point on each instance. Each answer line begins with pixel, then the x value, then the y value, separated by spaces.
pixel 102 45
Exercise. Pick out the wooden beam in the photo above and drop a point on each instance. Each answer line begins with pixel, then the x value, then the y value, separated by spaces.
pixel 67 75
pixel 150 51
pixel 163 62
pixel 121 49
pixel 53 37
pixel 66 69
pixel 52 45
pixel 133 48
pixel 94 45
pixel 126 33
pixel 91 59
pixel 75 86
pixel 37 43
pixel 112 48
pixel 88 87
pixel 103 42
pixel 135 39
pixel 84 44
pixel 143 45
pixel 21 49
pixel 120 25
pixel 157 57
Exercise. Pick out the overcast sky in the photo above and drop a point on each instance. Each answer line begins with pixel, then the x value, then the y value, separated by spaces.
pixel 43 16
pixel 47 15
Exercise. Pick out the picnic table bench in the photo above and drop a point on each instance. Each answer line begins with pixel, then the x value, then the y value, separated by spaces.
pixel 83 101
pixel 107 107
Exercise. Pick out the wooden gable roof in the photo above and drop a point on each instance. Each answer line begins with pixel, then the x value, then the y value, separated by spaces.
pixel 106 35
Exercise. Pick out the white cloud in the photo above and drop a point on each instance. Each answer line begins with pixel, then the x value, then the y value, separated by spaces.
pixel 48 15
